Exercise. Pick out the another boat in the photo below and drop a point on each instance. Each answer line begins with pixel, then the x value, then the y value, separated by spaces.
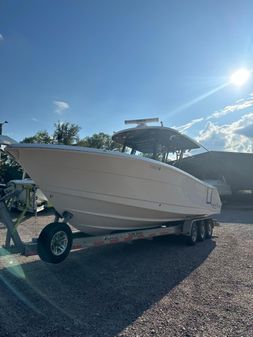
pixel 25 198
pixel 108 191
pixel 222 186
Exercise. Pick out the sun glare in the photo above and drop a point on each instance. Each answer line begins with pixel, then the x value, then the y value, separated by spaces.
pixel 240 77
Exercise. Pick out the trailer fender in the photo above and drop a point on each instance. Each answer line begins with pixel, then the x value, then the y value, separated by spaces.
pixel 187 227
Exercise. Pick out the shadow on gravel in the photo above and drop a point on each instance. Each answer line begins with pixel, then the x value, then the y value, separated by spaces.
pixel 98 292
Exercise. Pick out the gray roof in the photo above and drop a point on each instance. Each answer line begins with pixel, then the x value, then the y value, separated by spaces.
pixel 6 140
pixel 236 167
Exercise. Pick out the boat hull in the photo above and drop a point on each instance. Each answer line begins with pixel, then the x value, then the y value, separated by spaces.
pixel 109 191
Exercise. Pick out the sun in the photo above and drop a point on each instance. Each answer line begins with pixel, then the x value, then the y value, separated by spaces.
pixel 240 77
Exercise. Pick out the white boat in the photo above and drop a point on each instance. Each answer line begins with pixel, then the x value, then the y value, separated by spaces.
pixel 108 191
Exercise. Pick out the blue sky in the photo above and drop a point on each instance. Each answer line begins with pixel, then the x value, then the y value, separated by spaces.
pixel 97 63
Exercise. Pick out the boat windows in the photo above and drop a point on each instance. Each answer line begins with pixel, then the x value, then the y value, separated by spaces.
pixel 157 142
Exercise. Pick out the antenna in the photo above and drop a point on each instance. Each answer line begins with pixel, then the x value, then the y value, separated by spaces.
pixel 141 122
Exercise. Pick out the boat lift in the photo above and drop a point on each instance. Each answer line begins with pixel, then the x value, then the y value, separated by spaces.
pixel 56 240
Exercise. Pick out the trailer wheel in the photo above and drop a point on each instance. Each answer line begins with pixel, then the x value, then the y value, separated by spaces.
pixel 209 229
pixel 201 231
pixel 55 242
pixel 192 238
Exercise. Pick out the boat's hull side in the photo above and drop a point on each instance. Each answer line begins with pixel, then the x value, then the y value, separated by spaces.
pixel 108 191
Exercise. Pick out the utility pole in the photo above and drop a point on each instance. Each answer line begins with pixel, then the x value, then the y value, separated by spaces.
pixel 1 127
pixel 1 132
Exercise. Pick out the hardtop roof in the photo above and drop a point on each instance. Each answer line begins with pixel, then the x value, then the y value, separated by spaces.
pixel 145 138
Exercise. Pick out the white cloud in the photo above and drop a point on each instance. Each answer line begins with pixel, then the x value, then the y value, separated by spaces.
pixel 35 119
pixel 60 106
pixel 183 128
pixel 236 136
pixel 240 104
pixel 246 131
pixel 1 37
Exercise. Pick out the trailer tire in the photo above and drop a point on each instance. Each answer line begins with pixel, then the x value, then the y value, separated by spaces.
pixel 55 242
pixel 201 231
pixel 209 229
pixel 192 238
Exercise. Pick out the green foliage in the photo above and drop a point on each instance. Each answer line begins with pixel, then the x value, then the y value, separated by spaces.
pixel 41 137
pixel 99 141
pixel 9 169
pixel 66 133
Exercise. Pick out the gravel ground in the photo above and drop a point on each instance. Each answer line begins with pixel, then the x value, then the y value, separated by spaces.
pixel 148 288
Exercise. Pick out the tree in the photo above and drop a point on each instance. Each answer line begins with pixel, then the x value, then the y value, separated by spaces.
pixel 99 141
pixel 41 137
pixel 9 169
pixel 66 133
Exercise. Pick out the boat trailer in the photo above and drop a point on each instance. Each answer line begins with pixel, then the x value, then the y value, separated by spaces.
pixel 56 240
